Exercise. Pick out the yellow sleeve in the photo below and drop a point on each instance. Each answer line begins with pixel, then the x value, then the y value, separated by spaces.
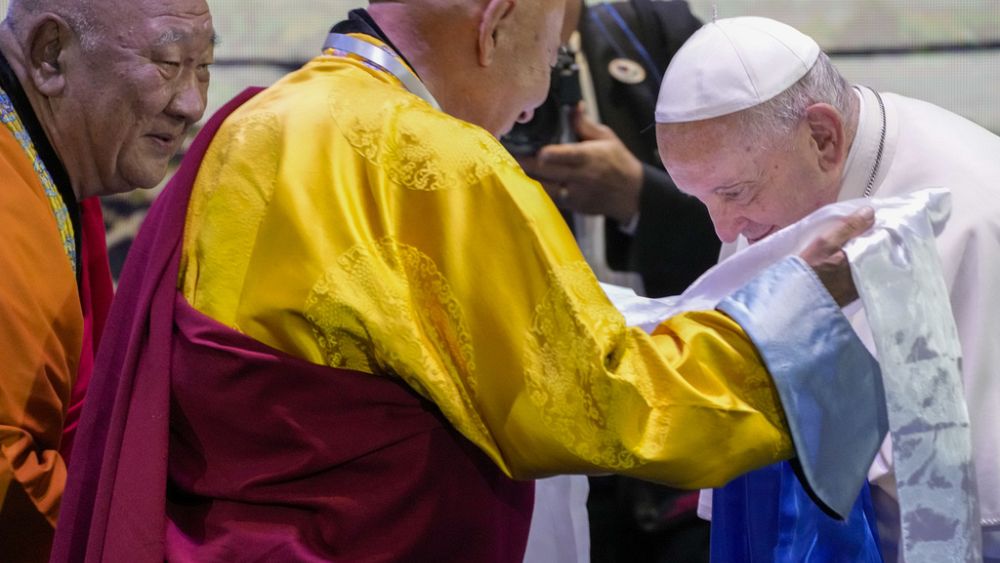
pixel 557 383
pixel 343 221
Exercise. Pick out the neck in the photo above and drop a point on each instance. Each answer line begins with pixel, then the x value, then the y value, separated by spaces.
pixel 426 36
pixel 407 37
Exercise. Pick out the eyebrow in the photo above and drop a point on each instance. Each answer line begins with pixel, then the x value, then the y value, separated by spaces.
pixel 734 185
pixel 176 36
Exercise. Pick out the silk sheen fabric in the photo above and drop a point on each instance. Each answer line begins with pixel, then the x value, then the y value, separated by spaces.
pixel 898 276
pixel 257 467
pixel 441 263
pixel 926 146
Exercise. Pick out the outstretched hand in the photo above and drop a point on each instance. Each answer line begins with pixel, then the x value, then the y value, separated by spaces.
pixel 825 255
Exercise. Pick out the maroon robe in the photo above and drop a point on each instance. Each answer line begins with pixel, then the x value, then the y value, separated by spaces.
pixel 96 292
pixel 270 457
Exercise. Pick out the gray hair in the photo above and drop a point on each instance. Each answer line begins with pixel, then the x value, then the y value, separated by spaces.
pixel 79 14
pixel 774 119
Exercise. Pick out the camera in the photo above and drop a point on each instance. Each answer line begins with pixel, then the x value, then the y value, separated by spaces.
pixel 552 122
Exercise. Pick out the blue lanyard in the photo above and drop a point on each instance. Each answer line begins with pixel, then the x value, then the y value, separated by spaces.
pixel 632 39
pixel 382 60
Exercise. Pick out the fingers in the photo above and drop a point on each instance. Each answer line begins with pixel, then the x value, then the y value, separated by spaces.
pixel 553 170
pixel 565 163
pixel 852 226
pixel 574 154
pixel 834 238
pixel 590 130
pixel 826 257
pixel 827 246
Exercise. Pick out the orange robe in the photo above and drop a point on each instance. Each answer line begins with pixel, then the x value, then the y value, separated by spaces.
pixel 41 335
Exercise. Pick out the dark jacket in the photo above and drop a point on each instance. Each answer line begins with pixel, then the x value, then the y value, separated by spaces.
pixel 674 241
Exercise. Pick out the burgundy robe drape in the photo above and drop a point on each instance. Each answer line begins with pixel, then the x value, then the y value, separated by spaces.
pixel 201 444
pixel 96 292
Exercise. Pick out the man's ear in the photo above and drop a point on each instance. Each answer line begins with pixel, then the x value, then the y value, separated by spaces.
pixel 497 11
pixel 46 53
pixel 827 128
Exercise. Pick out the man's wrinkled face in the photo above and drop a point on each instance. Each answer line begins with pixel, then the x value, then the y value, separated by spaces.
pixel 139 88
pixel 751 188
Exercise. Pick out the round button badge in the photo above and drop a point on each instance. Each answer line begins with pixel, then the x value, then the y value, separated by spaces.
pixel 626 71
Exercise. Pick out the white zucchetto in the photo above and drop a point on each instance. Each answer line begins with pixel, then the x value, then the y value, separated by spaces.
pixel 730 65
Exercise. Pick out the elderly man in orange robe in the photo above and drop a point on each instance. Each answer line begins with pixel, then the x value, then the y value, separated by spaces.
pixel 95 98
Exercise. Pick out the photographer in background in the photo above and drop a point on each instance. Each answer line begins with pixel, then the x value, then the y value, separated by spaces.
pixel 633 225
pixel 613 175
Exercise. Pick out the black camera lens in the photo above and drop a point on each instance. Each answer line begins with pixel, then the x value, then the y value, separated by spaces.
pixel 548 124
pixel 526 139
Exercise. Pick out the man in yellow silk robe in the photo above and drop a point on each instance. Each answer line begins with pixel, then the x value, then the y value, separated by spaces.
pixel 344 221
pixel 80 116
pixel 359 218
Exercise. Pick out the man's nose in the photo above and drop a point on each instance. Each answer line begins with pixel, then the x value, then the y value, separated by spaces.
pixel 728 225
pixel 190 99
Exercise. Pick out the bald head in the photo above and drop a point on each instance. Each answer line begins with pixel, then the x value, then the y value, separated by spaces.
pixel 571 21
pixel 114 83
pixel 22 14
pixel 93 20
pixel 21 9
pixel 487 62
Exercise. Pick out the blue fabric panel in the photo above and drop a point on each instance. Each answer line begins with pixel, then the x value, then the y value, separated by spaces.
pixel 829 384
pixel 767 516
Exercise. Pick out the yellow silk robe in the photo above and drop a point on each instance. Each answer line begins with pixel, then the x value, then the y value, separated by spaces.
pixel 341 219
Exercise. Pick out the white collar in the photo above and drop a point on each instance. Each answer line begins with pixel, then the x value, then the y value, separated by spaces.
pixel 382 58
pixel 869 149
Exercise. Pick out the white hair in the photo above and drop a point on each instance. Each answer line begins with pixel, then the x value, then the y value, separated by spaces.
pixel 774 119
pixel 79 14
pixel 85 25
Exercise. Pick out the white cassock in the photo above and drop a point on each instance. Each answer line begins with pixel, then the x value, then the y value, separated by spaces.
pixel 926 146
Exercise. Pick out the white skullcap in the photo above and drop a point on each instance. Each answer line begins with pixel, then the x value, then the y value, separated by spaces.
pixel 731 65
